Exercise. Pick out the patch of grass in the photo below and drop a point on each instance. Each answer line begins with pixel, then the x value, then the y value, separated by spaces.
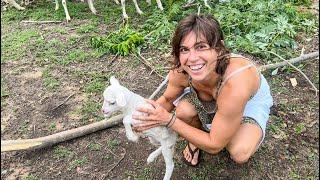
pixel 94 147
pixel 29 177
pixel 277 124
pixel 23 128
pixel 91 110
pixel 87 28
pixel 62 152
pixel 76 55
pixel 52 126
pixel 300 128
pixel 96 85
pixel 13 45
pixel 77 163
pixel 113 144
pixel 50 82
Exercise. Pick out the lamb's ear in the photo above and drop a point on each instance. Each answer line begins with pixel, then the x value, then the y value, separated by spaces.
pixel 113 81
pixel 120 99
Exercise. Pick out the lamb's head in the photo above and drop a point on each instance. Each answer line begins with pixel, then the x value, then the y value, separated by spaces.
pixel 114 98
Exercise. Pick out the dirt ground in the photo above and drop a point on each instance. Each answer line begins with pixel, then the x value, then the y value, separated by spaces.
pixel 290 149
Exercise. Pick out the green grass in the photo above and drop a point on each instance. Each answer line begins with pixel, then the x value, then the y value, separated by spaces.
pixel 49 81
pixel 113 144
pixel 91 110
pixel 77 163
pixel 94 147
pixel 62 152
pixel 30 177
pixel 52 126
pixel 14 44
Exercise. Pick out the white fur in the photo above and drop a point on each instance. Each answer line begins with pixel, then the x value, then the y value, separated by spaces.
pixel 64 4
pixel 123 5
pixel 119 98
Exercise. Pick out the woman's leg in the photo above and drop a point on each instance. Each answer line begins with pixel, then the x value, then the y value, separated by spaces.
pixel 187 112
pixel 245 142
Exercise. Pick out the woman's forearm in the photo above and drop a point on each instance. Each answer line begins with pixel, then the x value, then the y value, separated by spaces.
pixel 165 103
pixel 197 137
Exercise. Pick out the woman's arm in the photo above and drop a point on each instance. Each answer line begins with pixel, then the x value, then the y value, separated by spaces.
pixel 176 84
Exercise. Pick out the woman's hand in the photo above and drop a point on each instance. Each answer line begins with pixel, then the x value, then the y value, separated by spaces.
pixel 155 116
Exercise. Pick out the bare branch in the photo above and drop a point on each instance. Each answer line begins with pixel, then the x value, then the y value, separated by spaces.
pixel 31 144
pixel 304 75
pixel 40 22
pixel 292 61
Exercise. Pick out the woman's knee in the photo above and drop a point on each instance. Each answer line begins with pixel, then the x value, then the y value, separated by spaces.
pixel 186 111
pixel 240 154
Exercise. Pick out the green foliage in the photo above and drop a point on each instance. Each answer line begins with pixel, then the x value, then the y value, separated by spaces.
pixel 49 81
pixel 113 143
pixel 52 126
pixel 300 128
pixel 121 42
pixel 29 177
pixel 77 163
pixel 94 147
pixel 61 152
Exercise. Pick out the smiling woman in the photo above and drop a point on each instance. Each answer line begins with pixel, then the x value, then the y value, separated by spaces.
pixel 220 99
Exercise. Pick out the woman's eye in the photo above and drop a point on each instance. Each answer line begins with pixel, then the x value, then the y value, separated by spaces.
pixel 202 47
pixel 182 50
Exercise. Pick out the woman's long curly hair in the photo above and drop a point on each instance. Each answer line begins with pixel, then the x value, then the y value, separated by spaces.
pixel 207 27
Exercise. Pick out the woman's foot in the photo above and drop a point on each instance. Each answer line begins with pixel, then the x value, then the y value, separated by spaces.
pixel 191 155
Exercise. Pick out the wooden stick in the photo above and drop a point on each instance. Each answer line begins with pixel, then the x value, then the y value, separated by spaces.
pixel 40 22
pixel 31 144
pixel 292 61
pixel 304 75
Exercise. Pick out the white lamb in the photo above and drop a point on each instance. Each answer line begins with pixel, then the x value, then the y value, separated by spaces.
pixel 119 98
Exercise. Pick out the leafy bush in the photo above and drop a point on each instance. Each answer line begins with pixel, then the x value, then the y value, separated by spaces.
pixel 120 42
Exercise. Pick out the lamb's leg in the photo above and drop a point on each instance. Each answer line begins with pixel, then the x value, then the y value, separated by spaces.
pixel 64 4
pixel 206 4
pixel 149 2
pixel 167 153
pixel 91 7
pixel 16 5
pixel 57 5
pixel 123 5
pixel 116 1
pixel 127 125
pixel 159 5
pixel 137 7
pixel 154 155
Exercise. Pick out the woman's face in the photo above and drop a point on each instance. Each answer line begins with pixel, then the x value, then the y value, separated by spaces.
pixel 197 58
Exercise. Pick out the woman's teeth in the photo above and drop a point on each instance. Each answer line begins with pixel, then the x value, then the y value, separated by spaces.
pixel 196 67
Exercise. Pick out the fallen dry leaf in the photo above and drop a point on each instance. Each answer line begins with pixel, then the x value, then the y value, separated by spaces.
pixel 293 82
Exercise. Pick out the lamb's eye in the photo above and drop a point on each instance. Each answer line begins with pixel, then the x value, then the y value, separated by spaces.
pixel 112 103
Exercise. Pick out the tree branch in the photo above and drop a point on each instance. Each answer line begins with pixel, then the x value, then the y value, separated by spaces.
pixel 300 58
pixel 31 144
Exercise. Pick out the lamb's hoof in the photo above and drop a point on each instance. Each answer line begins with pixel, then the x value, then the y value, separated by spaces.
pixel 21 8
pixel 133 138
pixel 125 17
pixel 68 19
pixel 140 12
pixel 94 11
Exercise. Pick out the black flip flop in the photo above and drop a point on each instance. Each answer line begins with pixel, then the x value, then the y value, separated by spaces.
pixel 192 152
